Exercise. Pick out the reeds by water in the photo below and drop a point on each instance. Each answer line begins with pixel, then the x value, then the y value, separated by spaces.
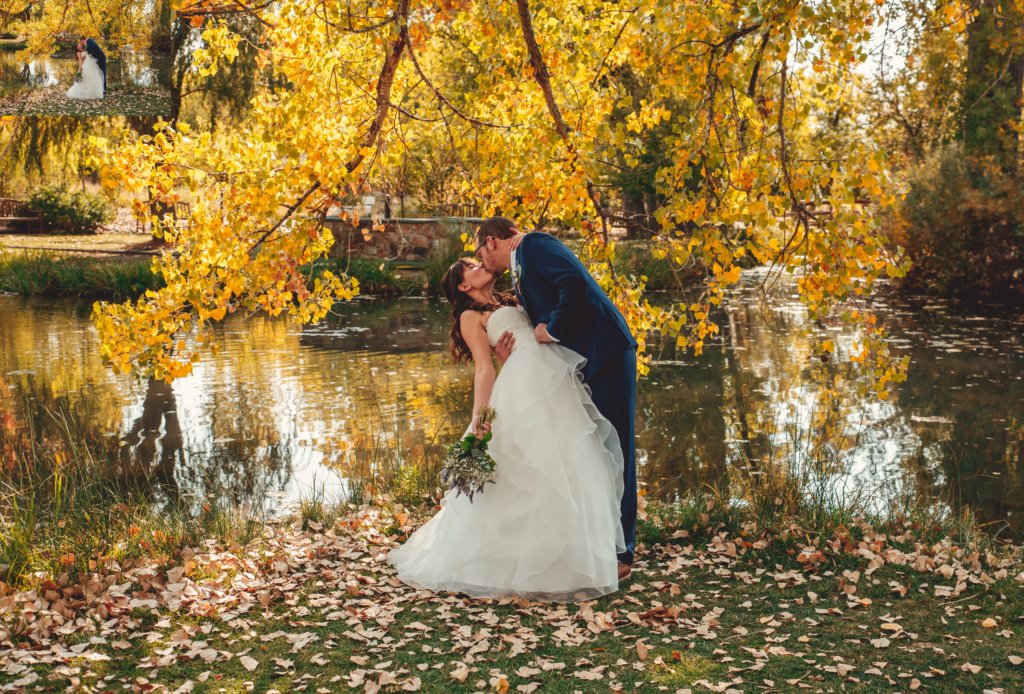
pixel 42 273
pixel 65 510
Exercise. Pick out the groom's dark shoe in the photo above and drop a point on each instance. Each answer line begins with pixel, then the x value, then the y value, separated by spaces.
pixel 624 571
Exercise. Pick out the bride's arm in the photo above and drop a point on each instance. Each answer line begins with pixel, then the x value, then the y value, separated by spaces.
pixel 475 335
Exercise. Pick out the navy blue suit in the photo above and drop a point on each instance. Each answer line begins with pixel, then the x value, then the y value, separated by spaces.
pixel 555 288
pixel 93 49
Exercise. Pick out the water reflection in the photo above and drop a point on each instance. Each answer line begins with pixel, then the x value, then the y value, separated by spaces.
pixel 282 409
pixel 130 70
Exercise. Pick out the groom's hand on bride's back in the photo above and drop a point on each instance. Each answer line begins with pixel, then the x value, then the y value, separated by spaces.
pixel 503 348
pixel 543 336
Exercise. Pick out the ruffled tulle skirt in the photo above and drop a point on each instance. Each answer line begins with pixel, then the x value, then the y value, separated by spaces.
pixel 548 528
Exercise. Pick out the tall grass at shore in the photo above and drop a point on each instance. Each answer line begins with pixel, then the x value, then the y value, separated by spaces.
pixel 43 273
pixel 66 509
pixel 51 273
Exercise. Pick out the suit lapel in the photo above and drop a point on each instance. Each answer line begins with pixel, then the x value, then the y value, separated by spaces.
pixel 517 274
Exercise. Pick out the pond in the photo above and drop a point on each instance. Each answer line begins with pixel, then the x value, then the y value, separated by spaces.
pixel 130 71
pixel 283 409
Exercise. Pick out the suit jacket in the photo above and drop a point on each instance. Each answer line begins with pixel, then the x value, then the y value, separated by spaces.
pixel 93 49
pixel 555 288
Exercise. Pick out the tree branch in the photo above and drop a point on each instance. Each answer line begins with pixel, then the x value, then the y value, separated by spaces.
pixel 384 82
pixel 540 73
pixel 441 97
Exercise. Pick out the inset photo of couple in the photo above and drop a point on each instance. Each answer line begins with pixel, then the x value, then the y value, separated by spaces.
pixel 86 57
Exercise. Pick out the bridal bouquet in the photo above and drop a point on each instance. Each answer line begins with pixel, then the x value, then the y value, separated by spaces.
pixel 468 467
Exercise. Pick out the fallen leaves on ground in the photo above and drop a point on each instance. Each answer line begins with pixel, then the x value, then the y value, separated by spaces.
pixel 340 577
pixel 122 101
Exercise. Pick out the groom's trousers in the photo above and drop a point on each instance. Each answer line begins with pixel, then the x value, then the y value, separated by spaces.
pixel 613 389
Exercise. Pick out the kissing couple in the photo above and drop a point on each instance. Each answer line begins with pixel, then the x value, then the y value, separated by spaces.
pixel 92 64
pixel 559 522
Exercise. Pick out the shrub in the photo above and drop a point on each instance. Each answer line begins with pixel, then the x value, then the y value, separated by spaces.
pixel 962 224
pixel 76 212
pixel 446 251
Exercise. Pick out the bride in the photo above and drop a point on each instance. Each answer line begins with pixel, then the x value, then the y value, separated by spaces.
pixel 548 528
pixel 91 84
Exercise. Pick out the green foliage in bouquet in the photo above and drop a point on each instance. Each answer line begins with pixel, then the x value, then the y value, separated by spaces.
pixel 468 467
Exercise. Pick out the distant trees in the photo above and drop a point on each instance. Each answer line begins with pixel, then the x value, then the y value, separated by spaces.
pixel 953 109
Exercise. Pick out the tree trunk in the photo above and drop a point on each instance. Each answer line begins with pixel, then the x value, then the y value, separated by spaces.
pixel 636 215
pixel 162 31
pixel 992 88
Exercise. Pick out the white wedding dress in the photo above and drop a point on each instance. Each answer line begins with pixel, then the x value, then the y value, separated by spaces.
pixel 91 84
pixel 548 528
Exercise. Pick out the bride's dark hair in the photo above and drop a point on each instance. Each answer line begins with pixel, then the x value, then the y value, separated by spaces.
pixel 462 302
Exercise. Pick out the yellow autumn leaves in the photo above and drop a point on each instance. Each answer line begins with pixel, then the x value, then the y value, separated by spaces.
pixel 722 95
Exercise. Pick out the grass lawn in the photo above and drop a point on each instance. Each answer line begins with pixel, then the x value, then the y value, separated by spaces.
pixel 321 611
pixel 98 243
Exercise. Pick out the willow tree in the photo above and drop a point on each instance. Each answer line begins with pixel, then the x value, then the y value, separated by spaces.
pixel 135 23
pixel 527 98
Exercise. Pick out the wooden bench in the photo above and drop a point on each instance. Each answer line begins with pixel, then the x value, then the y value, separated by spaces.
pixel 12 210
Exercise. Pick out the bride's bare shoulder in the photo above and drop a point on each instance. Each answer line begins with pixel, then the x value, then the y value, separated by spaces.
pixel 471 318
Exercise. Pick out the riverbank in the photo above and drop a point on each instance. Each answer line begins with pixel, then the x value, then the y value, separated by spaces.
pixel 707 609
pixel 104 589
pixel 59 274
pixel 117 265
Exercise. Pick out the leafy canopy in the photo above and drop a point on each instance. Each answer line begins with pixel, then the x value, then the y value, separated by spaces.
pixel 537 103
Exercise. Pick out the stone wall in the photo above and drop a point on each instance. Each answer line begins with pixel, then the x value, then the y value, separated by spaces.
pixel 400 239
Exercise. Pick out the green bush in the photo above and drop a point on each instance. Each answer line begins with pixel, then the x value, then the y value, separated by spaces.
pixel 635 258
pixel 76 212
pixel 446 251
pixel 962 225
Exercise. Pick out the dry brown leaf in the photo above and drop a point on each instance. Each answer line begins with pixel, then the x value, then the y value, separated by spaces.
pixel 642 649
pixel 460 673
pixel 249 663
pixel 1015 660
pixel 973 669
pixel 989 623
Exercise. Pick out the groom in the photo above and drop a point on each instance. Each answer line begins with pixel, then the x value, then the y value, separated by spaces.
pixel 93 49
pixel 567 306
